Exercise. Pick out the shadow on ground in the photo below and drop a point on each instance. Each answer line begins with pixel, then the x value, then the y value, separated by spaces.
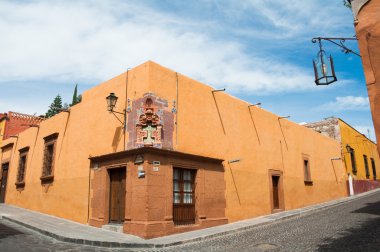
pixel 6 231
pixel 365 237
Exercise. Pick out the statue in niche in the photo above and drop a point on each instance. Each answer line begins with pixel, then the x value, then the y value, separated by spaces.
pixel 149 127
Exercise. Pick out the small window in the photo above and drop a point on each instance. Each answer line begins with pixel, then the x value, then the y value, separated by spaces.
pixel 353 161
pixel 306 169
pixel 367 174
pixel 48 161
pixel 23 157
pixel 373 168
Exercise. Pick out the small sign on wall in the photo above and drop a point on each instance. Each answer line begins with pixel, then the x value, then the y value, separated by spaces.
pixel 156 168
pixel 140 168
pixel 141 174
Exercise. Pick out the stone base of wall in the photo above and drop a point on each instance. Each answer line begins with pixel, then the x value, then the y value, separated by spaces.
pixel 152 229
pixel 361 186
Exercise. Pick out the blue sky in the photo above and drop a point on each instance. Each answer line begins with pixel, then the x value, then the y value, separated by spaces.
pixel 259 50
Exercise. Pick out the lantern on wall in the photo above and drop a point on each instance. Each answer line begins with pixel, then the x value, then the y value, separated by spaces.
pixel 111 101
pixel 323 68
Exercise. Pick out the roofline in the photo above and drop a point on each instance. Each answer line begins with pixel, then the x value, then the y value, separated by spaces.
pixel 154 151
pixel 357 131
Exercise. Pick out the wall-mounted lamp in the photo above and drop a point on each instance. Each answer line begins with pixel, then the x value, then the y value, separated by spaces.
pixel 111 103
pixel 324 66
pixel 218 90
pixel 283 117
pixel 348 148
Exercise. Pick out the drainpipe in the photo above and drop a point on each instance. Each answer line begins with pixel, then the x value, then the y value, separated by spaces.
pixel 350 184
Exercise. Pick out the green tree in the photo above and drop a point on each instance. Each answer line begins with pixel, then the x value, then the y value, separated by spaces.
pixel 76 98
pixel 55 107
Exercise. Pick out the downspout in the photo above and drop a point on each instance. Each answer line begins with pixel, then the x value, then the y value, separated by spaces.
pixel 88 195
pixel 125 109
pixel 176 114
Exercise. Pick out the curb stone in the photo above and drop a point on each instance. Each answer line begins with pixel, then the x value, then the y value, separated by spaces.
pixel 168 241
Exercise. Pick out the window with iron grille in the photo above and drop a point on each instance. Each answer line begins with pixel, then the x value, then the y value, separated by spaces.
pixel 48 161
pixel 23 154
pixel 353 161
pixel 373 168
pixel 366 166
pixel 183 196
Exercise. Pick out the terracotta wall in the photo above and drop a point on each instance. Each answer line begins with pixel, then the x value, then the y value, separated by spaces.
pixel 367 25
pixel 17 122
pixel 149 199
pixel 207 124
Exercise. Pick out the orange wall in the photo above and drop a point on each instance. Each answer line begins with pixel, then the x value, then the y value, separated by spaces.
pixel 367 25
pixel 261 144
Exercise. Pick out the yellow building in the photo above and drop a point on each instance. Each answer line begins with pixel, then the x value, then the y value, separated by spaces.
pixel 2 127
pixel 181 156
pixel 359 154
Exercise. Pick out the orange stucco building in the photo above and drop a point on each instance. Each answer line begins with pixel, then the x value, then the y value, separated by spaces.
pixel 191 157
pixel 367 25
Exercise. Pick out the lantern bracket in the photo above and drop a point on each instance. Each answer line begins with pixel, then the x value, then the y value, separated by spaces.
pixel 340 43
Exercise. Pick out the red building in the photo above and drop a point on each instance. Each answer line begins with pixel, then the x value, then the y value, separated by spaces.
pixel 15 122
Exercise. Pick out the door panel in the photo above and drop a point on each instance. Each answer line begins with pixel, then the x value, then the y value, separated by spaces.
pixel 3 184
pixel 117 195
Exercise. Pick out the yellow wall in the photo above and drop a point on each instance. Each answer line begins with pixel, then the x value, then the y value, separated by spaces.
pixel 2 128
pixel 362 146
pixel 258 138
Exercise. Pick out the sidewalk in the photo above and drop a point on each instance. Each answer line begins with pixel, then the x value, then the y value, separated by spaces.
pixel 69 231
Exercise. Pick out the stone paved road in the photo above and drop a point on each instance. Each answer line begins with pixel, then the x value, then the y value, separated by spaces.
pixel 353 226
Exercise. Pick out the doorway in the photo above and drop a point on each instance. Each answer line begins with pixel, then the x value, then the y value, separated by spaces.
pixel 275 184
pixel 276 190
pixel 3 184
pixel 117 195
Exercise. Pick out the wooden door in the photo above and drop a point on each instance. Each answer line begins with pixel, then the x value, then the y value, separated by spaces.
pixel 183 196
pixel 117 195
pixel 275 184
pixel 3 184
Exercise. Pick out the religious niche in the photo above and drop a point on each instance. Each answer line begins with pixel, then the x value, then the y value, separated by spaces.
pixel 149 127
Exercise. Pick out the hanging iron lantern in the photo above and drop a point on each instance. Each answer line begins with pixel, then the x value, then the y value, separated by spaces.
pixel 323 68
pixel 111 101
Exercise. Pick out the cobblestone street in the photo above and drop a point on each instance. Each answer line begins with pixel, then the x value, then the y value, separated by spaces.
pixel 352 226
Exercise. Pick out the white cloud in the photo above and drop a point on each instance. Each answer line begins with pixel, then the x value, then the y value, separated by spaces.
pixel 346 103
pixel 66 41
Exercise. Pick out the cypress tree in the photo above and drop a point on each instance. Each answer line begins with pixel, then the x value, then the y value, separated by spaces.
pixel 76 98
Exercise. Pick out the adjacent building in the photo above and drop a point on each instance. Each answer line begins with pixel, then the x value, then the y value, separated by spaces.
pixel 3 118
pixel 367 25
pixel 359 153
pixel 171 155
pixel 11 124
